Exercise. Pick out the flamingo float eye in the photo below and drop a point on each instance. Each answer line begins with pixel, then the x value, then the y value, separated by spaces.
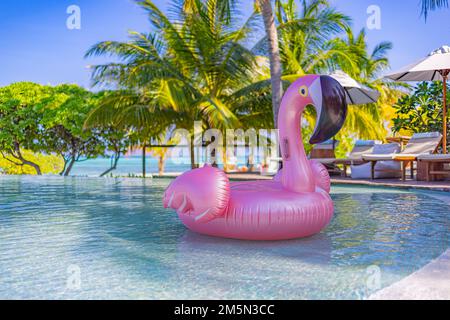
pixel 303 91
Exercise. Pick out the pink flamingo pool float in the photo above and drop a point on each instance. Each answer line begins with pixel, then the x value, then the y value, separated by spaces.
pixel 295 204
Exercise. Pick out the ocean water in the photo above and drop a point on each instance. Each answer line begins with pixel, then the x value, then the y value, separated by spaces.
pixel 90 238
pixel 131 165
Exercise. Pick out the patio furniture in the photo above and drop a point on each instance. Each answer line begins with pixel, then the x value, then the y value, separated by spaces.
pixel 355 157
pixel 420 144
pixel 325 154
pixel 383 169
pixel 435 166
pixel 399 139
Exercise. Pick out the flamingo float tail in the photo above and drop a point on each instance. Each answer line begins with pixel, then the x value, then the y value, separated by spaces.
pixel 202 194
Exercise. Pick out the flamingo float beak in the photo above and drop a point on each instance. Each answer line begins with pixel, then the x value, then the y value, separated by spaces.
pixel 331 105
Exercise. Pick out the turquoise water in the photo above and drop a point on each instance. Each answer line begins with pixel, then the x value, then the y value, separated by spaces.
pixel 127 165
pixel 132 165
pixel 87 238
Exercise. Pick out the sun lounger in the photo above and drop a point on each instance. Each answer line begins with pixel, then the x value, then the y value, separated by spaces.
pixel 355 157
pixel 420 144
pixel 383 169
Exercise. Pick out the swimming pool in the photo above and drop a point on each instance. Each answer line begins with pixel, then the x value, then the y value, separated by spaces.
pixel 87 238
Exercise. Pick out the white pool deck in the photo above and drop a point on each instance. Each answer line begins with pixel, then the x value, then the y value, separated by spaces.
pixel 432 282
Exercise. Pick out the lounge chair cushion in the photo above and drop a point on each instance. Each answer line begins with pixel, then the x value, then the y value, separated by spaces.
pixel 361 147
pixel 364 143
pixel 426 135
pixel 382 152
pixel 423 143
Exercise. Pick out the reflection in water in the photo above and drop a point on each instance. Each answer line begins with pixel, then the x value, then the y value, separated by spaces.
pixel 127 246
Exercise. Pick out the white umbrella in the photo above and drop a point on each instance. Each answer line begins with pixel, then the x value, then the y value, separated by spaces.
pixel 356 93
pixel 434 67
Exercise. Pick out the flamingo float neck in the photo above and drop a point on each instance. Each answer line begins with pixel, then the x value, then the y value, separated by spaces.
pixel 297 174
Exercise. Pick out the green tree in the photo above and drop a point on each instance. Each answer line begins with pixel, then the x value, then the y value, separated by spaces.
pixel 421 111
pixel 62 124
pixel 308 37
pixel 20 122
pixel 194 66
pixel 117 143
pixel 317 38
pixel 369 121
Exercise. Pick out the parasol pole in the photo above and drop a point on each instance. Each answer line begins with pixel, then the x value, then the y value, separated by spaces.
pixel 444 74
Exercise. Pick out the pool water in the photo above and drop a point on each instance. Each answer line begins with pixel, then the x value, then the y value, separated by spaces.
pixel 86 238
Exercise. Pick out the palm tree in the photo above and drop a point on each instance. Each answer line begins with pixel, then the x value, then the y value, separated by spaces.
pixel 193 66
pixel 430 5
pixel 307 37
pixel 274 55
pixel 316 38
pixel 369 121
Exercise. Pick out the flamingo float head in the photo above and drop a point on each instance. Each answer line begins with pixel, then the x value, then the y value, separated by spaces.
pixel 326 95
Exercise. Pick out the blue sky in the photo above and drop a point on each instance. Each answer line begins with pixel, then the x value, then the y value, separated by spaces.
pixel 36 45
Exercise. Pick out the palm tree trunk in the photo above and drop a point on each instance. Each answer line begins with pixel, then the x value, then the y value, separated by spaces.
pixel 274 56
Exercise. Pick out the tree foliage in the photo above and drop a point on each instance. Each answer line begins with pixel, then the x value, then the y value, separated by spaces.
pixel 421 111
pixel 47 120
pixel 20 121
pixel 431 5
